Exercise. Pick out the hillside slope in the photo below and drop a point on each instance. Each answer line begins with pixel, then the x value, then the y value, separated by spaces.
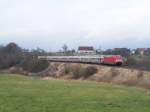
pixel 98 73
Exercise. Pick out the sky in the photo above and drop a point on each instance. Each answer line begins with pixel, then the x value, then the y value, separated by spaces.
pixel 48 24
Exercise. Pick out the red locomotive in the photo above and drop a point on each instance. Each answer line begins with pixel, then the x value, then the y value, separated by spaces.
pixel 112 60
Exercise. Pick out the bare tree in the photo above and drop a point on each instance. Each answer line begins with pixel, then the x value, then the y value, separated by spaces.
pixel 65 48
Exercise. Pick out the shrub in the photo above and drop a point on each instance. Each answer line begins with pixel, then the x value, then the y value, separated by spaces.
pixel 67 68
pixel 145 63
pixel 131 61
pixel 88 71
pixel 75 70
pixel 10 55
pixel 78 71
pixel 32 64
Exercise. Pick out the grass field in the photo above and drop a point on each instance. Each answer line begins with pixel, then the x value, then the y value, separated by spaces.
pixel 27 94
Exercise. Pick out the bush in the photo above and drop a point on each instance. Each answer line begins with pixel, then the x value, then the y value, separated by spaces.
pixel 34 65
pixel 88 71
pixel 131 61
pixel 75 70
pixel 78 71
pixel 31 63
pixel 10 55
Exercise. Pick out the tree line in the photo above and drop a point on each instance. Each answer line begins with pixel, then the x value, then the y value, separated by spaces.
pixel 13 55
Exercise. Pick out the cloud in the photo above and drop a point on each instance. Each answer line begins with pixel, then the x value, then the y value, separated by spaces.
pixel 75 22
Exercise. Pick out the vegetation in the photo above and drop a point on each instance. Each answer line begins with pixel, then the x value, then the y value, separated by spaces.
pixel 31 63
pixel 131 61
pixel 88 71
pixel 12 55
pixel 27 94
pixel 139 62
pixel 79 71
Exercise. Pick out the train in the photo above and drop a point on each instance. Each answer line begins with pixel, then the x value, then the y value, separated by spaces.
pixel 98 59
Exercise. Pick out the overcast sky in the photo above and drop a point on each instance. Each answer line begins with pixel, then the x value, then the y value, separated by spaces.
pixel 49 24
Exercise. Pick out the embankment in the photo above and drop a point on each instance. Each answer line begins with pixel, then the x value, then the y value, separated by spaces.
pixel 131 77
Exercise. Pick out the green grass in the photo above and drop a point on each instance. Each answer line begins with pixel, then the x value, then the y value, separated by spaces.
pixel 27 94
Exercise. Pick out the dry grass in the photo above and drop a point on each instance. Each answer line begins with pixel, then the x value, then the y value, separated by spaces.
pixel 128 77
